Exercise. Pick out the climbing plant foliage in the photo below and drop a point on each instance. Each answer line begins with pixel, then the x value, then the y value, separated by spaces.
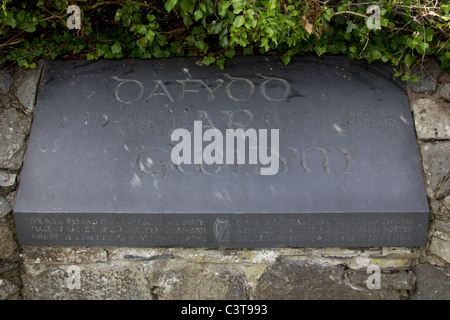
pixel 398 32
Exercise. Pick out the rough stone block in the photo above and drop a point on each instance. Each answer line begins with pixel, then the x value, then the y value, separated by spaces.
pixel 432 119
pixel 400 282
pixel 361 263
pixel 97 281
pixel 432 283
pixel 441 226
pixel 11 140
pixel 301 280
pixel 445 92
pixel 8 245
pixel 436 164
pixel 441 248
pixel 7 181
pixel 8 290
pixel 429 73
pixel 26 85
pixel 58 255
pixel 5 82
pixel 5 208
pixel 177 280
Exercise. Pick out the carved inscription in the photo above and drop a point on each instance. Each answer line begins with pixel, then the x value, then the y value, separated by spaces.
pixel 237 89
pixel 145 229
pixel 150 122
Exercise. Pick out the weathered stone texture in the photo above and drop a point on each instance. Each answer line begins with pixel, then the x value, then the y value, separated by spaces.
pixel 12 139
pixel 8 248
pixel 441 248
pixel 25 85
pixel 10 281
pixel 5 82
pixel 432 119
pixel 444 93
pixel 8 181
pixel 436 164
pixel 429 73
pixel 305 280
pixel 175 279
pixel 433 283
pixel 8 290
pixel 97 281
pixel 5 208
pixel 60 255
pixel 400 282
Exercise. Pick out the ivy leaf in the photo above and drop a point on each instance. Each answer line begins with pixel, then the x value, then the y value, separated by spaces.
pixel 376 55
pixel 224 41
pixel 230 53
pixel 221 63
pixel 142 42
pixel 409 59
pixel 141 29
pixel 286 59
pixel 271 4
pixel 198 14
pixel 202 46
pixel 11 22
pixel 216 28
pixel 238 21
pixel 422 47
pixel 187 20
pixel 223 8
pixel 150 35
pixel 30 29
pixel 116 48
pixel 187 6
pixel 208 60
pixel 170 4
pixel 350 27
pixel 429 34
pixel 328 14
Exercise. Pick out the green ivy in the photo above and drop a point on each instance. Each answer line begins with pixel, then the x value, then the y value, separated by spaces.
pixel 408 30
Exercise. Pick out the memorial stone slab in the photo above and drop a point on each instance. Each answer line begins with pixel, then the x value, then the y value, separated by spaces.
pixel 142 153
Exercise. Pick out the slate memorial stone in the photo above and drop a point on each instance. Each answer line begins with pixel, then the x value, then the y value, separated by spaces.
pixel 319 153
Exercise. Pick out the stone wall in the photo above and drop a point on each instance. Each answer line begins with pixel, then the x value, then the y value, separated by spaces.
pixel 169 273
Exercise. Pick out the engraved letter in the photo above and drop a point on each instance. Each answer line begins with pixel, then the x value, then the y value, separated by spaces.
pixel 201 82
pixel 166 92
pixel 228 88
pixel 325 155
pixel 146 164
pixel 325 159
pixel 122 81
pixel 232 114
pixel 211 91
pixel 287 88
pixel 183 87
pixel 204 115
